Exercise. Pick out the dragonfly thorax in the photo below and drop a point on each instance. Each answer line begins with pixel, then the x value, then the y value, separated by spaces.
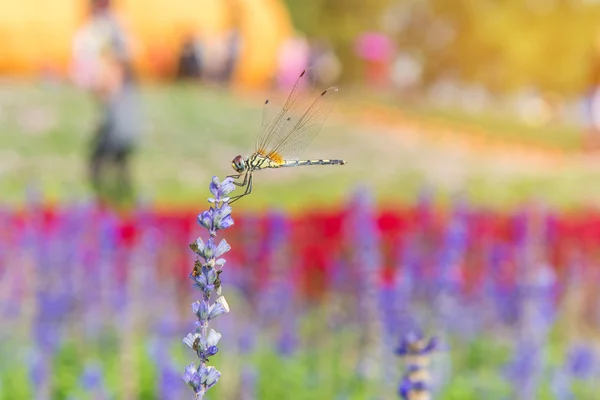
pixel 239 164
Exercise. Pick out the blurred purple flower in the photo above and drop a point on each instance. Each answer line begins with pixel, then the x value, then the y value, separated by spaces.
pixel 92 378
pixel 414 343
pixel 416 350
pixel 249 380
pixel 170 381
pixel 288 340
pixel 39 370
pixel 581 361
pixel 364 238
pixel 561 385
pixel 413 389
pixel 525 369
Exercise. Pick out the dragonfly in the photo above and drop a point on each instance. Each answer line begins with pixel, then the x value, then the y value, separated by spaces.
pixel 286 134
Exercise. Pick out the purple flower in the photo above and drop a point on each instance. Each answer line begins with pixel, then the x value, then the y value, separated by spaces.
pixel 408 387
pixel 204 347
pixel 561 385
pixel 220 190
pixel 219 307
pixel 525 369
pixel 205 275
pixel 415 350
pixel 211 351
pixel 581 361
pixel 216 218
pixel 414 343
pixel 200 308
pixel 208 376
pixel 205 219
pixel 192 378
pixel 222 217
pixel 287 339
pixel 192 340
pixel 91 378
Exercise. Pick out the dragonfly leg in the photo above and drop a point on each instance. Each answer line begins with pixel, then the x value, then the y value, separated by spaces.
pixel 237 177
pixel 246 192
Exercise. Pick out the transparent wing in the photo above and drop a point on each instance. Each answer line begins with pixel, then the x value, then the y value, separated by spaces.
pixel 296 103
pixel 298 132
pixel 293 128
pixel 269 115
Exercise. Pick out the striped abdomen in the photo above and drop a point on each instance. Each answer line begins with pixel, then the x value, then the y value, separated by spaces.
pixel 311 162
pixel 258 162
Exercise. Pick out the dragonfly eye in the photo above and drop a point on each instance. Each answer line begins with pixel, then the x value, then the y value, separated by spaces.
pixel 238 164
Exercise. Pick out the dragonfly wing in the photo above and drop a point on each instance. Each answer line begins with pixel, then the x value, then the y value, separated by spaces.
pixel 268 115
pixel 276 121
pixel 298 131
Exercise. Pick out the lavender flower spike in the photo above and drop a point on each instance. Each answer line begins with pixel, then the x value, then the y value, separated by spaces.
pixel 416 351
pixel 205 275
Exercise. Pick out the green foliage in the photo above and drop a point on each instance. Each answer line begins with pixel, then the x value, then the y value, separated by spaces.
pixel 320 370
pixel 147 374
pixel 15 383
pixel 510 44
pixel 505 45
pixel 66 370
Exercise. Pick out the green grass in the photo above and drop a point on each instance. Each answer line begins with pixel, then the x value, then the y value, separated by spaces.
pixel 492 124
pixel 192 133
pixel 318 369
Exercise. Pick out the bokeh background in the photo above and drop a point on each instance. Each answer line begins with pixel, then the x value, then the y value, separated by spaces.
pixel 468 210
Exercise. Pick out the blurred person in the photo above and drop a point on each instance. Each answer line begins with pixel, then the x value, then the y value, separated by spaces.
pixel 118 131
pixel 101 64
pixel 215 55
pixel 190 63
pixel 234 39
pixel 101 27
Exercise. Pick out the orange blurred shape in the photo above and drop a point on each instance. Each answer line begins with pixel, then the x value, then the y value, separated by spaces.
pixel 37 35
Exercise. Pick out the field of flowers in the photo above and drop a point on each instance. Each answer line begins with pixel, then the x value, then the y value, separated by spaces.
pixel 93 305
pixel 485 289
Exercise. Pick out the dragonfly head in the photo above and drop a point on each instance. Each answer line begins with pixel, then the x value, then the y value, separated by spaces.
pixel 238 164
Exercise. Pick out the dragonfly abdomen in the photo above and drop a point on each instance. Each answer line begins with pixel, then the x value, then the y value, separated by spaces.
pixel 300 163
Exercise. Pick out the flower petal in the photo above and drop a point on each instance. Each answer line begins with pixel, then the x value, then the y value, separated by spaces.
pixel 222 248
pixel 213 338
pixel 220 307
pixel 225 222
pixel 205 219
pixel 190 340
pixel 211 378
pixel 220 262
pixel 215 186
pixel 227 187
pixel 202 310
pixel 192 378
pixel 200 245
